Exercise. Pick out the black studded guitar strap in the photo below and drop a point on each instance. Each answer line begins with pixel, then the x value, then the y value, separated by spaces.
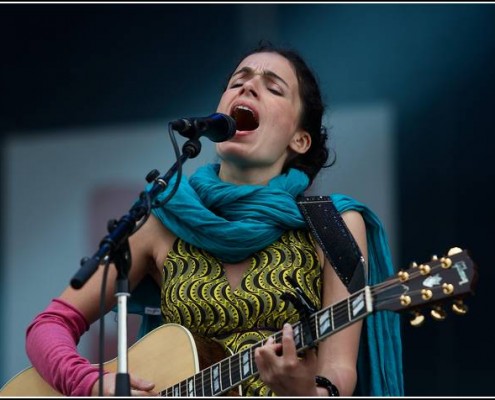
pixel 337 242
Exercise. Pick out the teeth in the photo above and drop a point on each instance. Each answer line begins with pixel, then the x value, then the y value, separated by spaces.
pixel 243 108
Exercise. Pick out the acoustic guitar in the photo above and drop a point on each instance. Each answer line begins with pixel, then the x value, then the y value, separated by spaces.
pixel 182 364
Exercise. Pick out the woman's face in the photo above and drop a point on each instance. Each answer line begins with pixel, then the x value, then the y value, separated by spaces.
pixel 263 97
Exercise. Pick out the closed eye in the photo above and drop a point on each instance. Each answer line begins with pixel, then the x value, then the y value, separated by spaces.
pixel 276 92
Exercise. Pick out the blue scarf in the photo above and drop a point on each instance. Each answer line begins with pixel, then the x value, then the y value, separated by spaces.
pixel 234 221
pixel 380 353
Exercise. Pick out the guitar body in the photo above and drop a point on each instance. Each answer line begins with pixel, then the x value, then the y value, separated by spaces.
pixel 165 356
pixel 28 383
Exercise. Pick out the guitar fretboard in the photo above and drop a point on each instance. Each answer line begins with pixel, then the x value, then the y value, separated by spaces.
pixel 232 371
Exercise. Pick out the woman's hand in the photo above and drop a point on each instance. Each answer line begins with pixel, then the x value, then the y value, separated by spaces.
pixel 281 368
pixel 139 387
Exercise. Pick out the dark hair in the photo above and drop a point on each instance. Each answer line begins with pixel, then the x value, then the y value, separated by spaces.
pixel 312 111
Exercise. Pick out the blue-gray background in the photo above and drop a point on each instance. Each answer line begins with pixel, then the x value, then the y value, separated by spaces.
pixel 95 65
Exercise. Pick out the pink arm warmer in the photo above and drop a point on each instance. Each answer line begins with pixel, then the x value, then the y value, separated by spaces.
pixel 51 345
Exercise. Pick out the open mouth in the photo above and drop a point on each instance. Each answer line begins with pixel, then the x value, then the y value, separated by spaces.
pixel 245 118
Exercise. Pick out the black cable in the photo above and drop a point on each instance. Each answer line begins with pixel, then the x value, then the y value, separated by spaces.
pixel 179 169
pixel 102 325
pixel 144 196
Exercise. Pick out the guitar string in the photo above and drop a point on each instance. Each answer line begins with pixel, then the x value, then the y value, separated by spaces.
pixel 225 375
pixel 339 309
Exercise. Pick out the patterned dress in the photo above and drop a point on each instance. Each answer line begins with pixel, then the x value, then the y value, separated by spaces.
pixel 197 295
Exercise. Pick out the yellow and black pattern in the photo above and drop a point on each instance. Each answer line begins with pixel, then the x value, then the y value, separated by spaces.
pixel 197 294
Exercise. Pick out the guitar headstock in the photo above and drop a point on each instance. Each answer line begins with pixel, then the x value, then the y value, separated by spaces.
pixel 431 283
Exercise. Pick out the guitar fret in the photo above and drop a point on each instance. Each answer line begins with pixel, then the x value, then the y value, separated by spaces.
pixel 315 330
pixel 325 323
pixel 245 364
pixel 225 374
pixel 254 369
pixel 358 305
pixel 190 387
pixel 198 384
pixel 176 390
pixel 235 369
pixel 349 318
pixel 298 336
pixel 216 386
pixel 206 388
pixel 183 388
pixel 341 314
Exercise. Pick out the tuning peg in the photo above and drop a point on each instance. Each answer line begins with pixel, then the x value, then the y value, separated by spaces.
pixel 459 307
pixel 446 262
pixel 426 294
pixel 447 288
pixel 434 257
pixel 405 300
pixel 424 269
pixel 438 313
pixel 414 264
pixel 403 276
pixel 417 319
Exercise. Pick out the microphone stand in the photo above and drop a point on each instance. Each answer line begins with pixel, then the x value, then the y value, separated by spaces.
pixel 122 261
pixel 114 247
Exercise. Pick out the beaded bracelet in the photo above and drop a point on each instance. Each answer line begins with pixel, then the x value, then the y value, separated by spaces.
pixel 323 382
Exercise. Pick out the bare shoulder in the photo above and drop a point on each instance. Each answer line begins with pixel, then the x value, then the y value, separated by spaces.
pixel 154 227
pixel 354 221
pixel 154 239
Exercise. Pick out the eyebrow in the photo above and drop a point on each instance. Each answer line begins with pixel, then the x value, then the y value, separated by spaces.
pixel 250 71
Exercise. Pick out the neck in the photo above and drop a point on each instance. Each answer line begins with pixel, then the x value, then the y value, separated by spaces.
pixel 244 175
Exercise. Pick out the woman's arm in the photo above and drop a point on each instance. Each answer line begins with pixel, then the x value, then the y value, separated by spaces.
pixel 289 375
pixel 337 354
pixel 52 337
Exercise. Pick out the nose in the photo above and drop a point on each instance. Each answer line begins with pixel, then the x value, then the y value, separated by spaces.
pixel 251 86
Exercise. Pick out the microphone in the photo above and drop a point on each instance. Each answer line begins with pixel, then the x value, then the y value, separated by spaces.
pixel 216 127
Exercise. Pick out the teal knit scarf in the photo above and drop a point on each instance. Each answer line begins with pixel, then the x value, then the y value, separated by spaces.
pixel 232 221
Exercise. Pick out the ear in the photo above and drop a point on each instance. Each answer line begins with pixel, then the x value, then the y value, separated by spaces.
pixel 300 142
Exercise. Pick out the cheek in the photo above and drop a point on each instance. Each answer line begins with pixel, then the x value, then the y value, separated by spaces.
pixel 284 116
pixel 281 128
pixel 222 105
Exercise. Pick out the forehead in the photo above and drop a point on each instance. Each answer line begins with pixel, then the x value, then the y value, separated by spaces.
pixel 272 62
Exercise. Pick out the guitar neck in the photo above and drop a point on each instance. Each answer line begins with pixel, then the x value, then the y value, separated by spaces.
pixel 232 371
